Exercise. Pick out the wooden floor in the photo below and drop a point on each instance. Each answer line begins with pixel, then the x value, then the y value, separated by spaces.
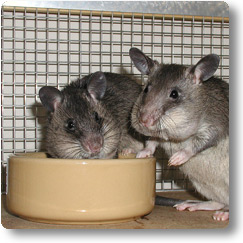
pixel 159 218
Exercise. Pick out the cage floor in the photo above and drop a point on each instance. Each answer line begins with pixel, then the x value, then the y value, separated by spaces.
pixel 159 218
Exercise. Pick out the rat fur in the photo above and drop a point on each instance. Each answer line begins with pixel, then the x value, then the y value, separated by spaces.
pixel 185 110
pixel 90 117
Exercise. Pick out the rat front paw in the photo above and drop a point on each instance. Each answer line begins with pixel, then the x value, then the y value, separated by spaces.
pixel 144 153
pixel 127 151
pixel 179 158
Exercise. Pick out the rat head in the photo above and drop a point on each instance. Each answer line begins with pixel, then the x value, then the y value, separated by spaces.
pixel 170 91
pixel 78 124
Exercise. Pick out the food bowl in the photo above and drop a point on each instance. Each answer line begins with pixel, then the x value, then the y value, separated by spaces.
pixel 80 191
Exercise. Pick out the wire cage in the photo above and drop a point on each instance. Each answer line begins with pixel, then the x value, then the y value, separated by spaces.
pixel 56 45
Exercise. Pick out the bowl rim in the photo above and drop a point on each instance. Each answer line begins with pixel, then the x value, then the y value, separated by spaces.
pixel 33 156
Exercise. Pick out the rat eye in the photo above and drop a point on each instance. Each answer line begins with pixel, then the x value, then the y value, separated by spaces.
pixel 70 125
pixel 174 94
pixel 97 117
pixel 146 89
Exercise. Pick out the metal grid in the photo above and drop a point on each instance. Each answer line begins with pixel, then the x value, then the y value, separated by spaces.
pixel 53 47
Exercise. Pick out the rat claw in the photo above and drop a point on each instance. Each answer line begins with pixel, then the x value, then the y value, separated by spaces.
pixel 127 151
pixel 221 216
pixel 144 153
pixel 179 158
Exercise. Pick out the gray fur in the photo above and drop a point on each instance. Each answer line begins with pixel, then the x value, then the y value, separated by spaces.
pixel 111 96
pixel 196 122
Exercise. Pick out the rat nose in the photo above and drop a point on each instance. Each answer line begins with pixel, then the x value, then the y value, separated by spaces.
pixel 94 147
pixel 146 120
pixel 94 144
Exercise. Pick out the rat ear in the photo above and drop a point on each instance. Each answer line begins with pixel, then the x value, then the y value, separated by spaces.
pixel 142 62
pixel 97 85
pixel 50 98
pixel 205 68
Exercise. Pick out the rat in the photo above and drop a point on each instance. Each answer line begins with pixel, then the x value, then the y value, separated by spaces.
pixel 185 110
pixel 90 117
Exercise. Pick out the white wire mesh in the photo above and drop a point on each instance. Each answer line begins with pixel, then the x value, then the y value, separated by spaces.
pixel 56 47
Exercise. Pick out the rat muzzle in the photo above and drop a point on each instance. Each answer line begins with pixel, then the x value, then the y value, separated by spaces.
pixel 93 144
pixel 148 119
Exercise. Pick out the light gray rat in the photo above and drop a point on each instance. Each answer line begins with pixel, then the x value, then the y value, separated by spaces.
pixel 185 110
pixel 90 118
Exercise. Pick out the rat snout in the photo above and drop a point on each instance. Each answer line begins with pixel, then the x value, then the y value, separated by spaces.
pixel 147 119
pixel 93 144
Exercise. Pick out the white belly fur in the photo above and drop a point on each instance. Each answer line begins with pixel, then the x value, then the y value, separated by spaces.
pixel 208 171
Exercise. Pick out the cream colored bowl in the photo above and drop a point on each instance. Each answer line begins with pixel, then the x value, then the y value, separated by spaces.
pixel 84 191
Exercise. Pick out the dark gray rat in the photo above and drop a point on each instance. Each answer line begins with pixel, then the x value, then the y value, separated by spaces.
pixel 185 110
pixel 90 118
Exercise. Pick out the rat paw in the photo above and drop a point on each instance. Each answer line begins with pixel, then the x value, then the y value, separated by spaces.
pixel 192 205
pixel 221 216
pixel 144 153
pixel 127 151
pixel 189 204
pixel 179 158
